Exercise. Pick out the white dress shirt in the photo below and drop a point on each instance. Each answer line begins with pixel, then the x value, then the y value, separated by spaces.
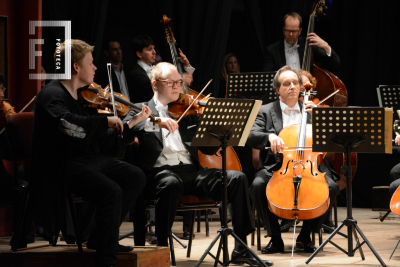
pixel 290 115
pixel 174 151
pixel 292 55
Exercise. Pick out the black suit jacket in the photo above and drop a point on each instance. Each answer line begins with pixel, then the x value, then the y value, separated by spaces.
pixel 101 78
pixel 151 143
pixel 275 56
pixel 268 121
pixel 139 85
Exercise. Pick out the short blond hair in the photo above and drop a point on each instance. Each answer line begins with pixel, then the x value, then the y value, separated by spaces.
pixel 156 73
pixel 79 49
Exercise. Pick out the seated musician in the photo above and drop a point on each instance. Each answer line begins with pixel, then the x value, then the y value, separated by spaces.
pixel 69 148
pixel 139 78
pixel 172 166
pixel 395 173
pixel 113 51
pixel 289 50
pixel 271 119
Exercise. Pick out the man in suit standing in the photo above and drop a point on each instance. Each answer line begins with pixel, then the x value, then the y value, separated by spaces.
pixel 112 49
pixel 172 166
pixel 271 119
pixel 290 50
pixel 139 78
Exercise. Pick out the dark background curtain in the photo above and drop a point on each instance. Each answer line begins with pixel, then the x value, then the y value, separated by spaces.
pixel 363 33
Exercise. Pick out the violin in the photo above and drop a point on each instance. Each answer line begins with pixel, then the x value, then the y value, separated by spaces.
pixel 298 191
pixel 6 111
pixel 97 97
pixel 327 81
pixel 177 108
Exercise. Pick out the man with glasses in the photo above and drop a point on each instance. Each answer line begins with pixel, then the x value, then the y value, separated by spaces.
pixel 172 166
pixel 290 50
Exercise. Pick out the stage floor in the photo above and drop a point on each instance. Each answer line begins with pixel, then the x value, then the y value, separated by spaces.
pixel 382 235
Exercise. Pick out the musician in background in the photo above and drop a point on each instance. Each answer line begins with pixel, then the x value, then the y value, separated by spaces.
pixel 112 49
pixel 230 65
pixel 139 78
pixel 395 173
pixel 290 50
pixel 271 119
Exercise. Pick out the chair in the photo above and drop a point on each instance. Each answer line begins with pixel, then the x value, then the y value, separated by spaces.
pixel 19 129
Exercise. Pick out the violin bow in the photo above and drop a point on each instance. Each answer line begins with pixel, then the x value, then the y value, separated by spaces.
pixel 112 91
pixel 191 104
pixel 27 105
pixel 326 98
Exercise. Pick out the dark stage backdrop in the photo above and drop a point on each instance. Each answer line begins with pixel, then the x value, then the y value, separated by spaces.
pixel 363 33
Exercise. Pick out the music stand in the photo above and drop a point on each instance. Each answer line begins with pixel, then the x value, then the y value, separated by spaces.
pixel 251 85
pixel 389 97
pixel 226 122
pixel 351 129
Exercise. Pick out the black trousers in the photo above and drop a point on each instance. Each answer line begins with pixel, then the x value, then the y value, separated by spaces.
pixel 259 196
pixel 112 186
pixel 394 178
pixel 170 183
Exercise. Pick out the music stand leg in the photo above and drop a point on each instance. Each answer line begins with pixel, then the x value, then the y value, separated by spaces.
pixel 384 216
pixel 369 245
pixel 394 250
pixel 224 231
pixel 358 244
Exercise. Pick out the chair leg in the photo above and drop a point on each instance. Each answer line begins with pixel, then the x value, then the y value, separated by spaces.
pixel 258 232
pixel 171 248
pixel 75 223
pixel 335 213
pixel 178 240
pixel 253 212
pixel 198 220
pixel 190 238
pixel 207 225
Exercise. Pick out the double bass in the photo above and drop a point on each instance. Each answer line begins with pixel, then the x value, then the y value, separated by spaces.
pixel 298 191
pixel 327 84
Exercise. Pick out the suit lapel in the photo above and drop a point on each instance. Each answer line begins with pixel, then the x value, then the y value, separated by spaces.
pixel 152 106
pixel 282 57
pixel 276 114
pixel 302 43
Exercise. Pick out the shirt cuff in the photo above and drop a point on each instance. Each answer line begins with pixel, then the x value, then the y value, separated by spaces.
pixel 189 69
pixel 330 52
pixel 150 126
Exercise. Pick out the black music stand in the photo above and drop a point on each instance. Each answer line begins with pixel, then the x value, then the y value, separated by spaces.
pixel 360 130
pixel 251 85
pixel 389 97
pixel 226 122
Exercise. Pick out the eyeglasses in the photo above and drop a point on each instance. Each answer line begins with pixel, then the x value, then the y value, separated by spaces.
pixel 291 31
pixel 171 83
pixel 2 89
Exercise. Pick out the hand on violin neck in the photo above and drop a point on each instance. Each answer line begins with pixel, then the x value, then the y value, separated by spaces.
pixel 169 124
pixel 276 143
pixel 183 59
pixel 115 121
pixel 141 116
pixel 309 106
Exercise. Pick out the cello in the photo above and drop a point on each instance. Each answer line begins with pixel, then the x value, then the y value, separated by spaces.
pixel 298 191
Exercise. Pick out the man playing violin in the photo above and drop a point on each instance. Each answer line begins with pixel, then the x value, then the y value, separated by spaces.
pixel 289 51
pixel 69 144
pixel 271 119
pixel 172 166
pixel 139 80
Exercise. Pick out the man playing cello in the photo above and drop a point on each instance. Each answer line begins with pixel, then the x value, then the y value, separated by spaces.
pixel 271 119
